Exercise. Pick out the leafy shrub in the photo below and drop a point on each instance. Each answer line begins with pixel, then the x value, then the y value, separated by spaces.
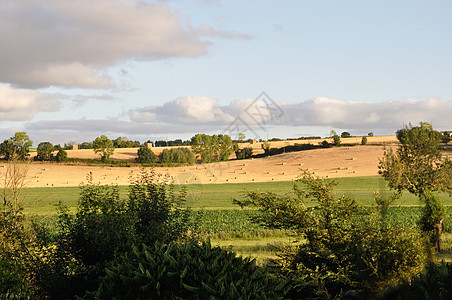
pixel 188 271
pixel 435 282
pixel 345 247
pixel 44 151
pixel 106 227
pixel 177 155
pixel 145 155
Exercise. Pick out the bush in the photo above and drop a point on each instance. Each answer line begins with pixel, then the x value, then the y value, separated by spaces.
pixel 188 271
pixel 435 282
pixel 244 153
pixel 364 140
pixel 105 228
pixel 325 144
pixel 145 155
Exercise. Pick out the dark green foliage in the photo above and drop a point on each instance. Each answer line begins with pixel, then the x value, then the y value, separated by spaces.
pixel 44 151
pixel 243 153
pixel 188 271
pixel 266 146
pixel 145 155
pixel 345 247
pixel 325 144
pixel 61 155
pixel 446 138
pixel 17 147
pixel 345 134
pixel 177 155
pixel 364 140
pixel 336 140
pixel 435 282
pixel 124 142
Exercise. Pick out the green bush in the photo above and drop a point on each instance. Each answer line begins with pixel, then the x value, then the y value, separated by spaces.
pixel 105 228
pixel 188 271
pixel 145 155
pixel 61 155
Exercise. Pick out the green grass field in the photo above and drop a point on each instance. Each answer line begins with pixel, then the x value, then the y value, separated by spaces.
pixel 42 201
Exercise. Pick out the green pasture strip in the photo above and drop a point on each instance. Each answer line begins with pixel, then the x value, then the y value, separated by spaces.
pixel 42 201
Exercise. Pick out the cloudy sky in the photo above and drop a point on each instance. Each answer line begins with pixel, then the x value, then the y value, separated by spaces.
pixel 147 70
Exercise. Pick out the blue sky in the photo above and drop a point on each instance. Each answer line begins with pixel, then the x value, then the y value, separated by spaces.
pixel 73 70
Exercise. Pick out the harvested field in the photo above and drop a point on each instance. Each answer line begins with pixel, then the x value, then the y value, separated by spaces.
pixel 346 161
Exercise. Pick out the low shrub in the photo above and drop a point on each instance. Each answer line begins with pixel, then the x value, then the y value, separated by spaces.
pixel 188 271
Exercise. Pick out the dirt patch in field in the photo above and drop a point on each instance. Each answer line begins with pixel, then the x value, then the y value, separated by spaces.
pixel 345 161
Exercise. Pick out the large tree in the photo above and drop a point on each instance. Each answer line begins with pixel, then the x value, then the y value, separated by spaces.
pixel 16 147
pixel 417 166
pixel 104 147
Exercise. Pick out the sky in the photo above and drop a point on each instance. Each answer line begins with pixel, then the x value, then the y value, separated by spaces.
pixel 153 70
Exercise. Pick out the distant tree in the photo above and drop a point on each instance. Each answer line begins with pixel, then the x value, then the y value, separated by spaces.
pixel 345 134
pixel 61 155
pixel 17 147
pixel 177 155
pixel 243 153
pixel 364 140
pixel 446 137
pixel 103 146
pixel 333 133
pixel 370 134
pixel 86 145
pixel 242 137
pixel 266 146
pixel 145 155
pixel 212 148
pixel 336 140
pixel 325 144
pixel 44 151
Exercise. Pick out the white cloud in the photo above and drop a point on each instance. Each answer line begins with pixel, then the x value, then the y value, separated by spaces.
pixel 184 110
pixel 72 43
pixel 20 105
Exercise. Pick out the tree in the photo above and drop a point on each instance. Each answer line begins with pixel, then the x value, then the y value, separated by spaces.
pixel 242 137
pixel 44 151
pixel 345 134
pixel 418 167
pixel 145 155
pixel 17 147
pixel 364 140
pixel 61 155
pixel 212 148
pixel 446 137
pixel 370 134
pixel 344 246
pixel 336 140
pixel 103 146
